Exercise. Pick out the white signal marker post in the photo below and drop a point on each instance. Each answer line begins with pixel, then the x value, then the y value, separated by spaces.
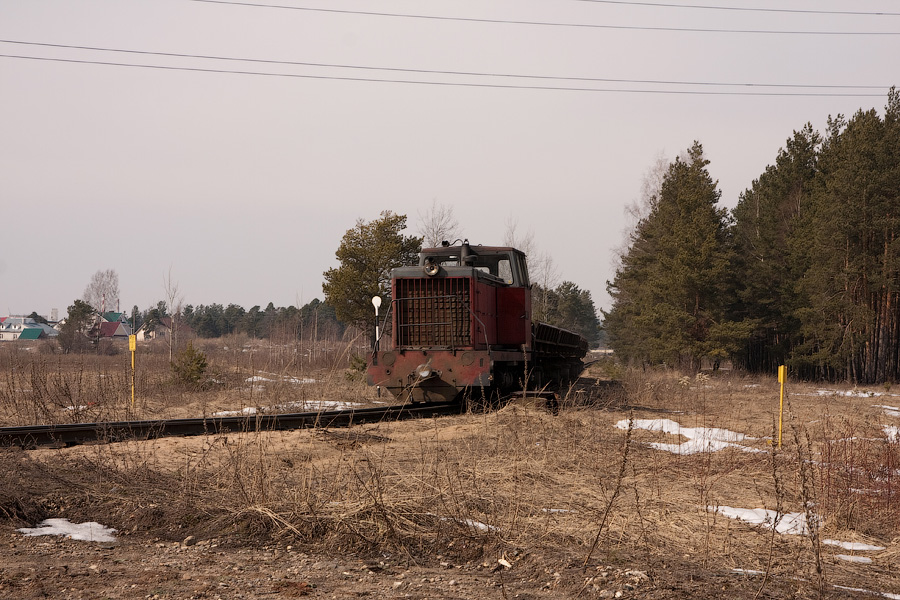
pixel 376 302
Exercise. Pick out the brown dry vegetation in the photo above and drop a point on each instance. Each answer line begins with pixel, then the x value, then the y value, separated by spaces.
pixel 38 385
pixel 513 503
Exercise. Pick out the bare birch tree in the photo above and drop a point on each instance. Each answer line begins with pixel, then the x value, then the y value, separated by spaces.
pixel 541 268
pixel 102 293
pixel 174 300
pixel 640 209
pixel 438 224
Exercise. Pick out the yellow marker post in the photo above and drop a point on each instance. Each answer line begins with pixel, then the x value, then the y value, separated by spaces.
pixel 132 345
pixel 782 377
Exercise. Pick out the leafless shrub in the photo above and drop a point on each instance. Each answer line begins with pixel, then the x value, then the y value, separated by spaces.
pixel 860 478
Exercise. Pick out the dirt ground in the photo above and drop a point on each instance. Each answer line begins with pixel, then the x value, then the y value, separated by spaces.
pixel 137 567
pixel 515 503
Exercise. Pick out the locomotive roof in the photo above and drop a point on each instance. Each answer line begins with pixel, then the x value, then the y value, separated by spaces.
pixel 476 249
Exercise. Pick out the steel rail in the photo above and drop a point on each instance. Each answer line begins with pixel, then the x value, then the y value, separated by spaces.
pixel 60 435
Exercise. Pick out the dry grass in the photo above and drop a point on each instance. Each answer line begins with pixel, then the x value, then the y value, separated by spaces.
pixel 565 494
pixel 47 388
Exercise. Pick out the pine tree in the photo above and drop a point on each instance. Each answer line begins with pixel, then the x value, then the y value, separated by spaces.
pixel 74 331
pixel 766 261
pixel 572 308
pixel 671 292
pixel 367 254
pixel 851 325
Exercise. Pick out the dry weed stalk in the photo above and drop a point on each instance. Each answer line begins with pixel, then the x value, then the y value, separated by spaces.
pixel 778 483
pixel 806 475
pixel 858 479
pixel 626 446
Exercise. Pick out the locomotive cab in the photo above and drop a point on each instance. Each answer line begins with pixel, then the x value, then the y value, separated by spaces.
pixel 461 323
pixel 506 265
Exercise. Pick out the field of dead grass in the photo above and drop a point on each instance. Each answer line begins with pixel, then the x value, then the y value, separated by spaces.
pixel 589 502
pixel 243 375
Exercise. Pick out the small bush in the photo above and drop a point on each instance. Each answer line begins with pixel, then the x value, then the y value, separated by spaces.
pixel 107 348
pixel 189 366
pixel 50 346
pixel 357 368
pixel 610 367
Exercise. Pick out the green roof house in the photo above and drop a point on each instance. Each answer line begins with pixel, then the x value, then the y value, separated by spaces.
pixel 31 333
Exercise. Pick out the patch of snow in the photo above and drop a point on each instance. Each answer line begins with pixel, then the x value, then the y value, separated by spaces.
pixel 789 523
pixel 90 531
pixel 272 378
pixel 748 571
pixel 865 591
pixel 470 522
pixel 477 525
pixel 855 546
pixel 700 439
pixel 319 406
pixel 891 411
pixel 892 432
pixel 864 560
pixel 250 410
pixel 854 393
pixel 850 589
pixel 331 405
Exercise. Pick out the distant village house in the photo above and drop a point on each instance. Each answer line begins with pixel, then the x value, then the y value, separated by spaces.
pixel 112 325
pixel 14 328
pixel 161 330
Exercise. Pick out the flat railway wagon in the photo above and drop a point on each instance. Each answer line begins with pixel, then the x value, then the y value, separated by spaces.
pixel 461 324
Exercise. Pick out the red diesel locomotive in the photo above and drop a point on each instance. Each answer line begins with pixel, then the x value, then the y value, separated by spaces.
pixel 461 324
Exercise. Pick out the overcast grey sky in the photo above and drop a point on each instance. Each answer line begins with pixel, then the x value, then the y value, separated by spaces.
pixel 243 184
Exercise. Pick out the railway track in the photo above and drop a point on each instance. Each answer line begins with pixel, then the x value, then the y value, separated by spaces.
pixel 36 436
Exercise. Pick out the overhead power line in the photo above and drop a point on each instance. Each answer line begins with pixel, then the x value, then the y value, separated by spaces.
pixel 749 8
pixel 440 72
pixel 444 83
pixel 545 23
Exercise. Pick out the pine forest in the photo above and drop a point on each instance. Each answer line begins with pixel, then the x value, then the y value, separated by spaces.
pixel 804 271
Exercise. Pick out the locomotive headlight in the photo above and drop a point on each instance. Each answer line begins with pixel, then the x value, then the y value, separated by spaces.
pixel 431 268
pixel 424 371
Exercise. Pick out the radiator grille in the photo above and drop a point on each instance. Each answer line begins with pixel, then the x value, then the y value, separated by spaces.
pixel 433 312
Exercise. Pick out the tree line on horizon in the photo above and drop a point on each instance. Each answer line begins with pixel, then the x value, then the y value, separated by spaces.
pixel 313 321
pixel 804 271
pixel 367 253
